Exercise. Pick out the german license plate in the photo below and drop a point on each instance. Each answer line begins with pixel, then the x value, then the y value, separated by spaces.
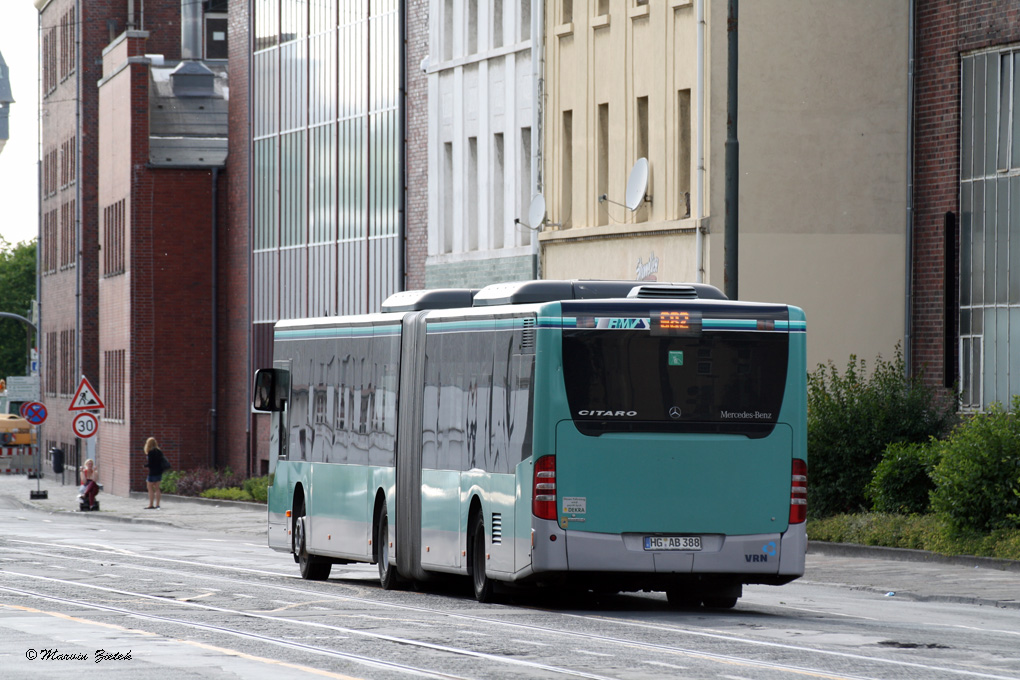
pixel 672 542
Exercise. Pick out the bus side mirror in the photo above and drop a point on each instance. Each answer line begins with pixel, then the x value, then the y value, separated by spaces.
pixel 270 390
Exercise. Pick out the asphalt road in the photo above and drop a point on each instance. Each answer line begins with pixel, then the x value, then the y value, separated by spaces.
pixel 190 590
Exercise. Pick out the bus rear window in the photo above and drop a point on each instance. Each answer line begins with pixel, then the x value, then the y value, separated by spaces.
pixel 706 382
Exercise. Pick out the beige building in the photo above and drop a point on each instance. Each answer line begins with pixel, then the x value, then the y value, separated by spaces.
pixel 823 134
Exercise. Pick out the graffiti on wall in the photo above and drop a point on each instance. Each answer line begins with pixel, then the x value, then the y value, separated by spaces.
pixel 647 271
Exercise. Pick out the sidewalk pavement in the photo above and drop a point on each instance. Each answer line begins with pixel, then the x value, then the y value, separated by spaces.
pixel 178 511
pixel 908 574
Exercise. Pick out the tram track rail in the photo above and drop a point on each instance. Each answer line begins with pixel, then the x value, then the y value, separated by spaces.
pixel 183 569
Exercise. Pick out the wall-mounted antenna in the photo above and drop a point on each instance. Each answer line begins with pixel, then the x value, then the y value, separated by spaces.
pixel 536 215
pixel 637 185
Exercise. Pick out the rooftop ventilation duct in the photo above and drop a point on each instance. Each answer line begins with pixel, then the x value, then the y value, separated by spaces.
pixel 191 29
pixel 193 79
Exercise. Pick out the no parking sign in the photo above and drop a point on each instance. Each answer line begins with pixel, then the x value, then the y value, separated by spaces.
pixel 34 412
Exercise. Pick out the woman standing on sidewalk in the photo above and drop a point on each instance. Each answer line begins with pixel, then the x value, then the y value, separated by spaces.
pixel 153 461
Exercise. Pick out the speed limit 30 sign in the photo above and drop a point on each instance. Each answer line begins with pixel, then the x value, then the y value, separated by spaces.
pixel 85 424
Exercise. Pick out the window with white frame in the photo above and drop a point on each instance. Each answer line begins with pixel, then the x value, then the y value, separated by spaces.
pixel 989 341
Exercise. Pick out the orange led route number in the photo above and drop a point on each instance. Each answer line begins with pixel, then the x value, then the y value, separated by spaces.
pixel 676 322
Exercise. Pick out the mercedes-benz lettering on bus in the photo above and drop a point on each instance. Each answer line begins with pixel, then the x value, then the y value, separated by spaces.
pixel 599 434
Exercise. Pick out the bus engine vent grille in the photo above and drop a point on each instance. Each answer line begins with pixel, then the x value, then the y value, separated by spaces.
pixel 665 292
pixel 497 528
pixel 528 336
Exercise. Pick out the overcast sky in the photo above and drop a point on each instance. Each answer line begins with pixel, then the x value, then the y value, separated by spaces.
pixel 19 209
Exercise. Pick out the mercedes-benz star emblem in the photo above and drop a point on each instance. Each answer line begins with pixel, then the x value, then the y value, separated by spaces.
pixel 675 412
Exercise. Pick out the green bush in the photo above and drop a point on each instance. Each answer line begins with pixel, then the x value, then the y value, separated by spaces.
pixel 208 483
pixel 231 494
pixel 917 532
pixel 853 417
pixel 977 482
pixel 257 488
pixel 168 484
pixel 902 482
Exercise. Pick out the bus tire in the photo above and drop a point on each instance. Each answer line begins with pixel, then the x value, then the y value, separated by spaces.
pixel 387 572
pixel 313 567
pixel 476 566
pixel 720 602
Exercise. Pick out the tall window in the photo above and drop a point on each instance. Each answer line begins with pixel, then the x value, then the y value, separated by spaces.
pixel 497 23
pixel 50 361
pixel 526 182
pixel 446 228
pixel 472 26
pixel 68 234
pixel 498 189
pixel 990 228
pixel 67 44
pixel 602 157
pixel 51 240
pixel 68 371
pixel 113 239
pixel 567 169
pixel 473 223
pixel 113 384
pixel 684 144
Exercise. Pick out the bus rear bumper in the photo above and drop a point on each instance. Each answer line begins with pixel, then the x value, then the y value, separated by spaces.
pixel 755 558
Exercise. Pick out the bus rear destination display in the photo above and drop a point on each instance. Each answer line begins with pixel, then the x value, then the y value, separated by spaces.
pixel 677 323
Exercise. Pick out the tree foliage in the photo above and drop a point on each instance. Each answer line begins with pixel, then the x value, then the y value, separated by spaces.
pixel 17 289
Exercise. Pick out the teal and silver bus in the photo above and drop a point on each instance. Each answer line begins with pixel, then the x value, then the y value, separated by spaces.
pixel 607 435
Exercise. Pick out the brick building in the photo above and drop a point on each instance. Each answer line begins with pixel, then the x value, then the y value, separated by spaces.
pixel 72 37
pixel 143 288
pixel 966 199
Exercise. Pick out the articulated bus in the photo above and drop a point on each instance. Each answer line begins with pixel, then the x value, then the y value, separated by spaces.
pixel 602 435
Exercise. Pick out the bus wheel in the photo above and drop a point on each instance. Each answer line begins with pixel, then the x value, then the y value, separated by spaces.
pixel 482 583
pixel 313 567
pixel 387 572
pixel 720 602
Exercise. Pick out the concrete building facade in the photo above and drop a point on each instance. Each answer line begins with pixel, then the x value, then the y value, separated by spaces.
pixel 482 141
pixel 822 130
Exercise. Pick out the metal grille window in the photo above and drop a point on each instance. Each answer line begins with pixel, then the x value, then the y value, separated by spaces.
pixel 990 228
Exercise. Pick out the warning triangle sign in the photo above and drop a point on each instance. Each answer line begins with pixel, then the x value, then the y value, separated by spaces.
pixel 86 398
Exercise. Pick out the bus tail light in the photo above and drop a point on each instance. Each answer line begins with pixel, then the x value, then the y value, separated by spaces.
pixel 798 492
pixel 543 492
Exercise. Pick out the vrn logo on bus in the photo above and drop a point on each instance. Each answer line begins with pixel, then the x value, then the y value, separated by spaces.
pixel 767 549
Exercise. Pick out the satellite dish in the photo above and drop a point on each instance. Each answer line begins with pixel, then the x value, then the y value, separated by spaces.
pixel 536 213
pixel 637 184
